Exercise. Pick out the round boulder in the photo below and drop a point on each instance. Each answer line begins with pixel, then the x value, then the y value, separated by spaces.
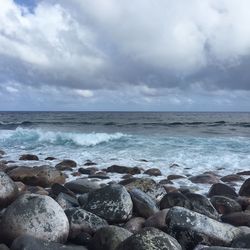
pixel 222 189
pixel 36 215
pixel 245 188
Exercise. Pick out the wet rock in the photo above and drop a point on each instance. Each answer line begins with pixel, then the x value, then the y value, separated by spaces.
pixel 175 177
pixel 202 247
pixel 232 178
pixel 147 185
pixel 36 215
pixel 81 186
pixel 43 176
pixel 2 152
pixel 135 224
pixel 243 241
pixel 237 218
pixel 245 188
pixel 225 205
pixel 100 176
pixel 29 157
pixel 66 165
pixel 202 205
pixel 89 163
pixel 244 172
pixel 144 205
pixel 82 221
pixel 170 189
pixel 108 238
pixel 8 190
pixel 222 189
pixel 66 201
pixel 175 199
pixel 123 170
pixel 165 182
pixel 148 239
pixel 153 172
pixel 158 220
pixel 86 171
pixel 191 228
pixel 27 242
pixel 205 179
pixel 112 203
pixel 50 158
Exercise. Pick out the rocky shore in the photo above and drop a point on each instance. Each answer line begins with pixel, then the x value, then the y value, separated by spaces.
pixel 40 208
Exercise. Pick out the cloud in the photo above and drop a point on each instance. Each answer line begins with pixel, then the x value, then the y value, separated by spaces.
pixel 142 51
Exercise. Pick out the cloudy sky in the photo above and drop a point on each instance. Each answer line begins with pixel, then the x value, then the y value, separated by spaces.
pixel 166 55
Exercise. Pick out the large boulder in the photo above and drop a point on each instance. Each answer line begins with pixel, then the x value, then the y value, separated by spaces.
pixel 237 218
pixel 29 157
pixel 82 221
pixel 144 205
pixel 27 242
pixel 123 170
pixel 66 165
pixel 245 188
pixel 191 228
pixel 108 238
pixel 43 176
pixel 35 215
pixel 82 186
pixel 148 239
pixel 8 190
pixel 112 203
pixel 222 189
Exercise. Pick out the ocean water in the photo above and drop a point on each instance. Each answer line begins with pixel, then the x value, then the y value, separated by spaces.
pixel 179 143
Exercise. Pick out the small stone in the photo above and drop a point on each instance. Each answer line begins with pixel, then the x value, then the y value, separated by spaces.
pixel 153 172
pixel 123 170
pixel 86 171
pixel 29 157
pixel 175 177
pixel 232 178
pixel 205 179
pixel 50 158
pixel 66 165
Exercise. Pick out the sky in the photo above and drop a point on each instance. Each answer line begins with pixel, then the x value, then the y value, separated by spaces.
pixel 143 55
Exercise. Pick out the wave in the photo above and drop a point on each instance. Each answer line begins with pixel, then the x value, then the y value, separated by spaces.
pixel 39 136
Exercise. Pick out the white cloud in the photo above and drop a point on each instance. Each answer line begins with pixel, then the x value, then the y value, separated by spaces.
pixel 84 92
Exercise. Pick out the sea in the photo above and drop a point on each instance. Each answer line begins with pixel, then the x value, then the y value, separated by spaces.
pixel 185 143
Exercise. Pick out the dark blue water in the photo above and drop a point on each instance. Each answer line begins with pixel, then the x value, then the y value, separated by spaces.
pixel 196 141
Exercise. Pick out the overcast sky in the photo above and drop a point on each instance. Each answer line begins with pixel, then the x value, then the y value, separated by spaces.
pixel 166 55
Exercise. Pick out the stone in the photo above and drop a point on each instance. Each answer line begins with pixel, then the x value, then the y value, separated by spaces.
pixel 112 203
pixel 36 215
pixel 29 157
pixel 153 172
pixel 135 224
pixel 245 188
pixel 242 241
pixel 225 205
pixel 205 179
pixel 232 178
pixel 82 221
pixel 108 238
pixel 43 176
pixel 82 186
pixel 99 176
pixel 237 218
pixel 191 228
pixel 66 165
pixel 222 189
pixel 86 171
pixel 2 152
pixel 89 163
pixel 175 199
pixel 3 247
pixel 144 205
pixel 158 220
pixel 27 242
pixel 20 186
pixel 83 199
pixel 175 177
pixel 57 188
pixel 247 172
pixel 8 190
pixel 66 201
pixel 123 170
pixel 149 239
pixel 50 158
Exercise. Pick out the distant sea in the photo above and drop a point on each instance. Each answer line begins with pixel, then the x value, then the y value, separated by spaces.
pixel 194 142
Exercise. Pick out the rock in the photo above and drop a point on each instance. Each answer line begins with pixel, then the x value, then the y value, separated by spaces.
pixel 205 178
pixel 83 199
pixel 86 171
pixel 135 224
pixel 57 188
pixel 36 190
pixel 8 190
pixel 36 215
pixel 202 205
pixel 170 189
pixel 2 152
pixel 223 190
pixel 143 204
pixel 123 170
pixel 153 172
pixel 81 186
pixel 82 221
pixel 175 199
pixel 175 177
pixel 29 157
pixel 243 201
pixel 66 165
pixel 242 241
pixel 50 158
pixel 20 186
pixel 27 242
pixel 99 176
pixel 89 163
pixel 112 203
pixel 43 176
pixel 165 182
pixel 82 239
pixel 158 220
pixel 202 247
pixel 3 247
pixel 147 185
pixel 231 178
pixel 108 238
pixel 149 239
pixel 245 188
pixel 237 218
pixel 244 172
pixel 225 205
pixel 66 201
pixel 191 228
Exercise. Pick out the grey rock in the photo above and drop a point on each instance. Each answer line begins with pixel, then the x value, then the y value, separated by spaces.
pixel 66 201
pixel 245 188
pixel 123 170
pixel 66 165
pixel 81 186
pixel 242 241
pixel 222 189
pixel 237 218
pixel 158 220
pixel 205 178
pixel 28 157
pixel 135 224
pixel 153 172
